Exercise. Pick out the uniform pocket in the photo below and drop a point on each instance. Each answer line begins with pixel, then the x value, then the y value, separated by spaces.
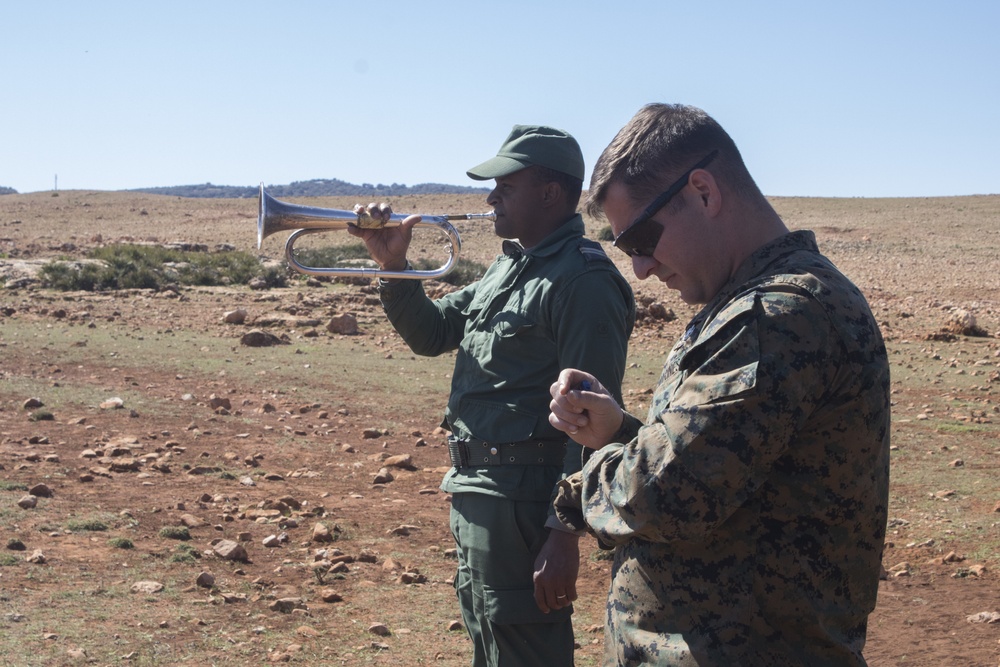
pixel 728 385
pixel 515 606
pixel 507 324
pixel 503 422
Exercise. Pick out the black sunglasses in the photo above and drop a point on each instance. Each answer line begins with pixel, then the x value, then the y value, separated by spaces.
pixel 641 237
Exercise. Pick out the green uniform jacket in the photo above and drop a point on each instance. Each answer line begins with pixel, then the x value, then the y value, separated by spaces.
pixel 561 304
pixel 749 513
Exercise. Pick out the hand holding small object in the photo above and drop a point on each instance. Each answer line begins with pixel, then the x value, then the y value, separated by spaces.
pixel 583 409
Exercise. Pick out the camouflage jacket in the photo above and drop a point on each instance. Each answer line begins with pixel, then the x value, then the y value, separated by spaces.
pixel 748 514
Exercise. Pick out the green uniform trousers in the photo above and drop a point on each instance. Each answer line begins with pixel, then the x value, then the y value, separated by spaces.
pixel 498 540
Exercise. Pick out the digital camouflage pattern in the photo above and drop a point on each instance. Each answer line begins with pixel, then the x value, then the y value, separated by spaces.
pixel 748 515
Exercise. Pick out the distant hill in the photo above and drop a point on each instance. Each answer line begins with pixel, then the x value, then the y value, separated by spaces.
pixel 321 187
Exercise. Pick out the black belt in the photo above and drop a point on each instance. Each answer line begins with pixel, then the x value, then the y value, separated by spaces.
pixel 475 453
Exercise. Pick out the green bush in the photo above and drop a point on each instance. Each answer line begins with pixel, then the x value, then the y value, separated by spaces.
pixel 120 543
pixel 130 266
pixel 7 485
pixel 606 234
pixel 185 553
pixel 64 276
pixel 84 525
pixel 175 533
pixel 274 276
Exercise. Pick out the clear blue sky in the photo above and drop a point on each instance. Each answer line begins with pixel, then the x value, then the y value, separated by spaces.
pixel 846 99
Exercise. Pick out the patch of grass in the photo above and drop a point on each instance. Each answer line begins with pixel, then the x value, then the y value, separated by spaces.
pixel 41 415
pixel 86 525
pixel 70 396
pixel 121 543
pixel 185 553
pixel 961 427
pixel 130 266
pixel 7 485
pixel 353 361
pixel 175 533
pixel 9 560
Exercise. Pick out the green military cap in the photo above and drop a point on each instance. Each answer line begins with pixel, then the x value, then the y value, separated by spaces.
pixel 529 145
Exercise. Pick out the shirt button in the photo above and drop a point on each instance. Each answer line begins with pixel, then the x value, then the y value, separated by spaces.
pixel 493 451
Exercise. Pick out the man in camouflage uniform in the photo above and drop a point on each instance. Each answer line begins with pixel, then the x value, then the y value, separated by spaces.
pixel 748 513
pixel 552 300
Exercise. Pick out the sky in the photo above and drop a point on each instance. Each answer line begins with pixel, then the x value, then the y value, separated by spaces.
pixel 895 98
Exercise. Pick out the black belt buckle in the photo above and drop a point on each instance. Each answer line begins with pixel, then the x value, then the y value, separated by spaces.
pixel 458 452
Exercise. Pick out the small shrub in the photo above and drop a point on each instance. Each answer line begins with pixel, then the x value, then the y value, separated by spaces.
pixel 274 276
pixel 6 485
pixel 85 525
pixel 185 553
pixel 130 266
pixel 175 533
pixel 66 277
pixel 14 544
pixel 120 543
pixel 41 415
pixel 606 234
pixel 8 560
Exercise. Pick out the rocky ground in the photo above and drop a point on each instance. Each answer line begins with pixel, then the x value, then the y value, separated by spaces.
pixel 171 493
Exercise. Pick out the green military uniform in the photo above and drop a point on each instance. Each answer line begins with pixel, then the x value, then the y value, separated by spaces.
pixel 749 513
pixel 559 304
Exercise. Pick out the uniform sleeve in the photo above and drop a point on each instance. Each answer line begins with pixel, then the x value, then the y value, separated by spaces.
pixel 429 327
pixel 726 415
pixel 593 320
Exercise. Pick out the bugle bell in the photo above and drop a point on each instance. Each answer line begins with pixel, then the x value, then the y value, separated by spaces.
pixel 275 216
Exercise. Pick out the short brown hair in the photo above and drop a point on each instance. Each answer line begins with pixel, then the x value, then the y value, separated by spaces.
pixel 660 142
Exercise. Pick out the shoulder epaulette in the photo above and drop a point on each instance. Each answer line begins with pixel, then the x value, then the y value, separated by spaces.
pixel 593 251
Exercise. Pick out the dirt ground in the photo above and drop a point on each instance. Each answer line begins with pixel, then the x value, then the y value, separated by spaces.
pixel 278 449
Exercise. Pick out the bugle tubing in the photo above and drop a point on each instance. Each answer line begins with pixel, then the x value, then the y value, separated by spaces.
pixel 275 216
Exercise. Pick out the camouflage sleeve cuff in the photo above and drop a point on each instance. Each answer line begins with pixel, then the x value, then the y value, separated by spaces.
pixel 568 504
pixel 554 523
pixel 628 430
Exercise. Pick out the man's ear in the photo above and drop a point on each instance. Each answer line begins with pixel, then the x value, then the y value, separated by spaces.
pixel 709 193
pixel 551 193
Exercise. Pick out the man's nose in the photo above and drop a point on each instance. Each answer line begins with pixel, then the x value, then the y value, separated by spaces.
pixel 642 266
